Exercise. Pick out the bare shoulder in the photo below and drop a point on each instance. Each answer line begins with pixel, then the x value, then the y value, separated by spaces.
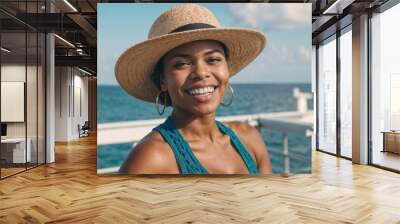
pixel 245 131
pixel 152 155
pixel 254 143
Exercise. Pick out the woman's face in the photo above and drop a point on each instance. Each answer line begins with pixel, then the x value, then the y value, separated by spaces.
pixel 196 76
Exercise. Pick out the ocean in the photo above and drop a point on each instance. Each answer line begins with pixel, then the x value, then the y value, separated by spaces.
pixel 115 105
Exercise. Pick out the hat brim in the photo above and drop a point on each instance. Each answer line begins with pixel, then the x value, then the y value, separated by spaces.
pixel 135 66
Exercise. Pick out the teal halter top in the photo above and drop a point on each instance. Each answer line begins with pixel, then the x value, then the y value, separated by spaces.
pixel 187 161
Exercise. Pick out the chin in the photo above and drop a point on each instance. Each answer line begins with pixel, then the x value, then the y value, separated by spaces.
pixel 198 109
pixel 205 110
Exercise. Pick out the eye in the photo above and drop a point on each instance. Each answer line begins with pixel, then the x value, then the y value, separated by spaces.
pixel 213 60
pixel 181 64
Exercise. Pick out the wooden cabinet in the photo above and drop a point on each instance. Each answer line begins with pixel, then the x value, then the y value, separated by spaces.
pixel 391 142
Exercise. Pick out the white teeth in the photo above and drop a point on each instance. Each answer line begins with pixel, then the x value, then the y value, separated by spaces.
pixel 202 91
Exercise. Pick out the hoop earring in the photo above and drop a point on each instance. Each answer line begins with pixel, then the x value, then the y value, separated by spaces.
pixel 232 97
pixel 158 103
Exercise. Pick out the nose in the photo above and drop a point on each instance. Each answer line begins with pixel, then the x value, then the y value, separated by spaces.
pixel 200 70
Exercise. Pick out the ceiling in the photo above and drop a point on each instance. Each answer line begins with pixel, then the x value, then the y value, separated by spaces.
pixel 76 22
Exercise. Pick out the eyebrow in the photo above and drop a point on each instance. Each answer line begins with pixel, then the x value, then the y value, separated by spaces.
pixel 189 56
pixel 180 56
pixel 214 51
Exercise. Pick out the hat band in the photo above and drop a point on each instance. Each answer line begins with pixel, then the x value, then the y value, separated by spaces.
pixel 192 26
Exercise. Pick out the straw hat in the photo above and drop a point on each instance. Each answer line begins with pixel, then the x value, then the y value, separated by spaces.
pixel 180 25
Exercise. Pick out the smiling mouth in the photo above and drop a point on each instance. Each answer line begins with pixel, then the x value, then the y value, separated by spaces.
pixel 204 91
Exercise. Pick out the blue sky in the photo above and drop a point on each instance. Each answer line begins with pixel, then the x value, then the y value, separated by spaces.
pixel 286 58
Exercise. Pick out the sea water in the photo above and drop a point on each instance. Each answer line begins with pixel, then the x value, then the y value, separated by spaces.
pixel 114 105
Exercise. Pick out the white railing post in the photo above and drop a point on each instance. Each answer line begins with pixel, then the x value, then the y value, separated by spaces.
pixel 302 105
pixel 285 145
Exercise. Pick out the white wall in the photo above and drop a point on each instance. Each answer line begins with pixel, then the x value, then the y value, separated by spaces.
pixel 14 73
pixel 12 101
pixel 33 126
pixel 62 81
pixel 17 73
pixel 79 112
pixel 71 94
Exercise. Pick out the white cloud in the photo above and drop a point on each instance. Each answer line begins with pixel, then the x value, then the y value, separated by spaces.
pixel 280 17
pixel 278 54
pixel 304 53
pixel 281 54
pixel 280 57
pixel 278 63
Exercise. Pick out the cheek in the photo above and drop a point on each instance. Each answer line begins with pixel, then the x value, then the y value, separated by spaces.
pixel 223 79
pixel 223 75
pixel 174 81
pixel 223 71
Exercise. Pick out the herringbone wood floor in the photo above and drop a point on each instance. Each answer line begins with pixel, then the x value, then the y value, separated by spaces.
pixel 69 191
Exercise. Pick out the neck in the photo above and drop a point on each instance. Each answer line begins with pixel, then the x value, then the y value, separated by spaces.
pixel 195 127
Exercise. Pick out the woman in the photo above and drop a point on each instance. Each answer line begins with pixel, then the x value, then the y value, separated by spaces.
pixel 186 63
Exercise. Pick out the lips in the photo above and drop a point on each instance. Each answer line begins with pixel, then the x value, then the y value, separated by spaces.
pixel 202 93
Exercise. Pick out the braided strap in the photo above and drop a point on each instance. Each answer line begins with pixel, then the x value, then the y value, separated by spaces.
pixel 186 160
pixel 248 160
